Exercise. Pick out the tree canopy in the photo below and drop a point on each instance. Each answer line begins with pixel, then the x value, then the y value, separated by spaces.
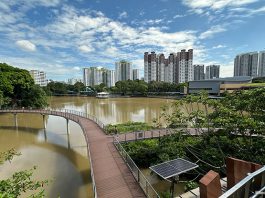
pixel 17 89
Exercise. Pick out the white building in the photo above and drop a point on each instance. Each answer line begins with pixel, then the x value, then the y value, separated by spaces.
pixel 72 81
pixel 135 74
pixel 247 64
pixel 212 71
pixel 110 78
pixel 150 67
pixel 261 70
pixel 93 76
pixel 123 70
pixel 39 77
pixel 178 68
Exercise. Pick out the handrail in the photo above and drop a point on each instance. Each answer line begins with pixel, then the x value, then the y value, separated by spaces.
pixel 67 114
pixel 245 183
pixel 148 189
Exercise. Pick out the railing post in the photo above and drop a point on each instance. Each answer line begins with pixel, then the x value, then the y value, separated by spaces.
pixel 138 175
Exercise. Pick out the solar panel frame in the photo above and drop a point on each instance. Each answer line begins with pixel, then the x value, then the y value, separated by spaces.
pixel 173 167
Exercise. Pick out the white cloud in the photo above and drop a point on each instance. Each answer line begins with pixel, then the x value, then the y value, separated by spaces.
pixel 179 16
pixel 26 45
pixel 216 4
pixel 123 15
pixel 85 49
pixel 219 46
pixel 213 30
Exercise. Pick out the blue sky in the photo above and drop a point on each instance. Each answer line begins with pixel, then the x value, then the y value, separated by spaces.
pixel 63 36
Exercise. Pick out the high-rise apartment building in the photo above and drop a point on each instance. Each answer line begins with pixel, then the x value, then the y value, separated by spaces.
pixel 150 67
pixel 72 81
pixel 39 77
pixel 261 70
pixel 199 72
pixel 185 67
pixel 93 76
pixel 110 78
pixel 135 74
pixel 176 68
pixel 123 70
pixel 212 71
pixel 247 64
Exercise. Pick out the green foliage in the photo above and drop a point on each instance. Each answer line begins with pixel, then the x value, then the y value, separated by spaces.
pixel 20 182
pixel 59 88
pixel 17 89
pixel 228 127
pixel 189 185
pixel 258 80
pixel 127 127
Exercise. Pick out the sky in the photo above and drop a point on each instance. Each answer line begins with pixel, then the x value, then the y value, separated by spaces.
pixel 61 37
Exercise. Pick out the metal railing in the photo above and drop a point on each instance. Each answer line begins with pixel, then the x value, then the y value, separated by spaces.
pixel 138 175
pixel 251 186
pixel 69 114
pixel 156 133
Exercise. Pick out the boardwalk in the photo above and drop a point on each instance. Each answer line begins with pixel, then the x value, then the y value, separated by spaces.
pixel 156 133
pixel 110 174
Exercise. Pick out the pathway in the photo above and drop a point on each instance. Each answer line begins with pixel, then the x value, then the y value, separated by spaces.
pixel 110 175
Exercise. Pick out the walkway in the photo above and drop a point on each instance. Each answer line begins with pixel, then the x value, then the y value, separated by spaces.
pixel 109 172
pixel 156 133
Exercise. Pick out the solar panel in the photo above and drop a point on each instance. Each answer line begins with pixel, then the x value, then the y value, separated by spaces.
pixel 172 168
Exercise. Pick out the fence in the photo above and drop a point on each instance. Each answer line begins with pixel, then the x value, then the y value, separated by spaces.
pixel 69 114
pixel 251 186
pixel 138 175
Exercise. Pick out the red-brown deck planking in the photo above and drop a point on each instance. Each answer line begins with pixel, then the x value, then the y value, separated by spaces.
pixel 112 176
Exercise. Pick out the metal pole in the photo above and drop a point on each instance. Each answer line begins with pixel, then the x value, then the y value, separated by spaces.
pixel 44 122
pixel 67 126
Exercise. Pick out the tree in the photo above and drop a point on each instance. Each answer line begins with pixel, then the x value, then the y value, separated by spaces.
pixel 15 85
pixel 20 182
pixel 79 86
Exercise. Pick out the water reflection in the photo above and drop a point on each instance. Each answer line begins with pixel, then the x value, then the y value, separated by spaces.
pixel 114 110
pixel 59 156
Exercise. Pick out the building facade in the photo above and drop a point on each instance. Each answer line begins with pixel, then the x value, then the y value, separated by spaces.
pixel 39 77
pixel 72 81
pixel 199 72
pixel 249 64
pixel 212 71
pixel 123 70
pixel 110 78
pixel 261 70
pixel 135 74
pixel 177 68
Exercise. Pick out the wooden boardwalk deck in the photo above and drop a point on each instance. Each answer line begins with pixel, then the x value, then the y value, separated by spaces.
pixel 111 175
pixel 156 133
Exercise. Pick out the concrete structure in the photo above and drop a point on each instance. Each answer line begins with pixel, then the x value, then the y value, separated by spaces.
pixel 213 86
pixel 96 75
pixel 177 68
pixel 111 177
pixel 261 70
pixel 150 67
pixel 210 185
pixel 250 64
pixel 72 81
pixel 199 72
pixel 110 78
pixel 93 76
pixel 135 74
pixel 212 71
pixel 39 77
pixel 123 70
pixel 185 68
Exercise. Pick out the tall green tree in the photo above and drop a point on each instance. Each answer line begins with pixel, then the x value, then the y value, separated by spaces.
pixel 16 84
